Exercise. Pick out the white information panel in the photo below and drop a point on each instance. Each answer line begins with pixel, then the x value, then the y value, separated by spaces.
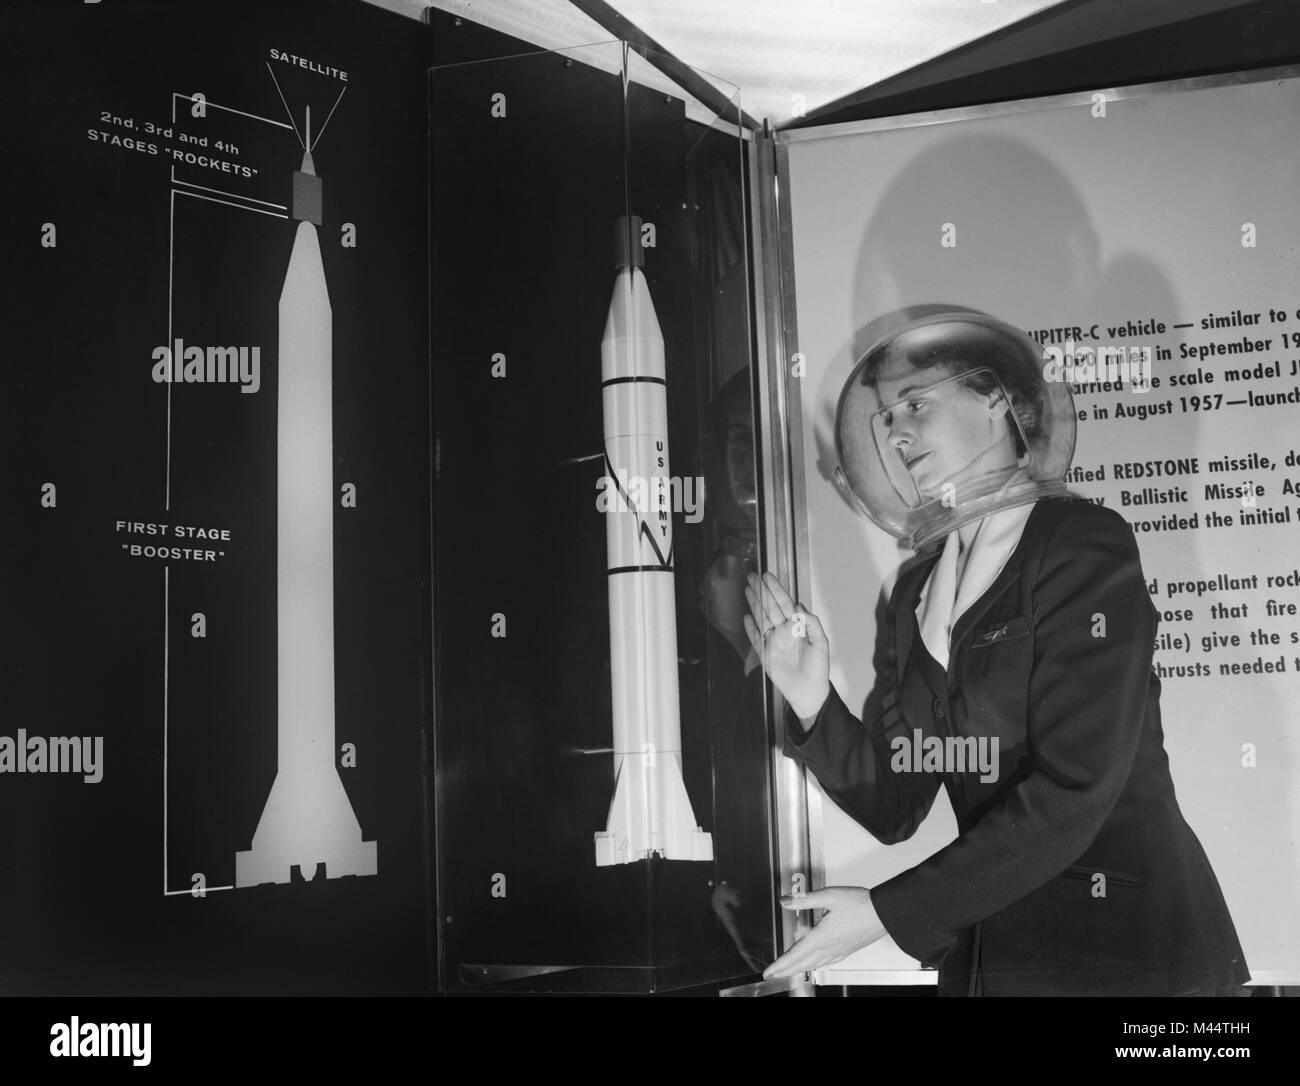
pixel 1161 219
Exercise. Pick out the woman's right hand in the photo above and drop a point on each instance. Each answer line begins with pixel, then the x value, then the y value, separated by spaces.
pixel 791 645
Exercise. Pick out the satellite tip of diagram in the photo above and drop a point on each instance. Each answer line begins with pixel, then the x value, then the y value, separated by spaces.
pixel 651 812
pixel 308 818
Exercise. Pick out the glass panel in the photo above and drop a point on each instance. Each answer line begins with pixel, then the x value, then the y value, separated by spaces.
pixel 602 749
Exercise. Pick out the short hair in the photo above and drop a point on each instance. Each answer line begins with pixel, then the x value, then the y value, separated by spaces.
pixel 965 342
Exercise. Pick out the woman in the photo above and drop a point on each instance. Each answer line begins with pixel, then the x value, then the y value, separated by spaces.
pixel 1027 637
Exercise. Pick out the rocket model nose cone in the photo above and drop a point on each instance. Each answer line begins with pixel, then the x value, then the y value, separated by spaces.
pixel 308 166
pixel 627 242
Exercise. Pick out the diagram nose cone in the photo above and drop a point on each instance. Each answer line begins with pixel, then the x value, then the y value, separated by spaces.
pixel 308 193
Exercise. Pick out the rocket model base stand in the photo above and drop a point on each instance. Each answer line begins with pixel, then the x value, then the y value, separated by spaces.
pixel 308 818
pixel 651 811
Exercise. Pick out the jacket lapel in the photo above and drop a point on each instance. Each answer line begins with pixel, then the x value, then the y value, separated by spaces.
pixel 1010 572
pixel 909 593
pixel 975 614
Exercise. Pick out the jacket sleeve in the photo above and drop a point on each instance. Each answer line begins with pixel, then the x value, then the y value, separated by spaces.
pixel 851 760
pixel 1094 632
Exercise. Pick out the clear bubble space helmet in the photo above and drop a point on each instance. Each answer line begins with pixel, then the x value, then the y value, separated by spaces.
pixel 947 419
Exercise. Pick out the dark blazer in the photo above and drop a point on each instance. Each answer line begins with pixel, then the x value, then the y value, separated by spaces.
pixel 1055 661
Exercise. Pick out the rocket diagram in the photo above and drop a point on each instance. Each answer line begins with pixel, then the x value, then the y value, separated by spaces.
pixel 307 818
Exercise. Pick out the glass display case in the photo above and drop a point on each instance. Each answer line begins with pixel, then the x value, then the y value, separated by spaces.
pixel 604 753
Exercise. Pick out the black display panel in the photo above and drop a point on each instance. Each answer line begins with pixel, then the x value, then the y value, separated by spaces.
pixel 218 763
pixel 266 667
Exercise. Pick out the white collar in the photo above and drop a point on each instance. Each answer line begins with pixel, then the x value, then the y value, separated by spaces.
pixel 943 600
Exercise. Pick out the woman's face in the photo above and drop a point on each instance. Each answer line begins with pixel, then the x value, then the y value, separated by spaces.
pixel 941 430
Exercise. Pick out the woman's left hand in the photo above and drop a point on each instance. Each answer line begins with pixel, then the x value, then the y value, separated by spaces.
pixel 850 924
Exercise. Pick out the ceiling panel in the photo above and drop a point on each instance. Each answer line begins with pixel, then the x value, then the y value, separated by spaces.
pixel 790 57
pixel 784 55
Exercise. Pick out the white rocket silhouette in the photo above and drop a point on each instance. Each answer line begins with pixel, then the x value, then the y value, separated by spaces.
pixel 308 818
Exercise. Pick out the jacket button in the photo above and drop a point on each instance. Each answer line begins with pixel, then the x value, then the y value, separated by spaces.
pixel 938 708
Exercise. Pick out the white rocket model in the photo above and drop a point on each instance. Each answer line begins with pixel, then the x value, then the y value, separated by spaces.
pixel 651 812
pixel 308 817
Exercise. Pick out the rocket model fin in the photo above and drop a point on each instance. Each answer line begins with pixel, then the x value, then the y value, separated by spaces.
pixel 651 815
